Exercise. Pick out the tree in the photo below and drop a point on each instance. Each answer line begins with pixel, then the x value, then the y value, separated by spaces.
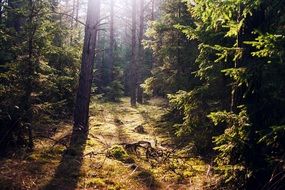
pixel 38 70
pixel 239 42
pixel 110 64
pixel 1 10
pixel 81 112
pixel 174 55
pixel 140 54
pixel 133 66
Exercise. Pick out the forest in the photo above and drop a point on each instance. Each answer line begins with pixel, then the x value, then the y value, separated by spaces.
pixel 142 94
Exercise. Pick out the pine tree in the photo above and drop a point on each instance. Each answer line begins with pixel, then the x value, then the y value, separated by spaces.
pixel 133 66
pixel 81 112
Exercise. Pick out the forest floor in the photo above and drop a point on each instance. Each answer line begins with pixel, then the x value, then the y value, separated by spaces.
pixel 107 158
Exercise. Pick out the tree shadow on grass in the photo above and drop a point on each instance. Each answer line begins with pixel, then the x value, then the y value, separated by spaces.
pixel 68 173
pixel 146 177
pixel 147 118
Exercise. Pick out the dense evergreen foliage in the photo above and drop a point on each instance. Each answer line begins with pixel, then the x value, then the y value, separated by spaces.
pixel 39 68
pixel 238 101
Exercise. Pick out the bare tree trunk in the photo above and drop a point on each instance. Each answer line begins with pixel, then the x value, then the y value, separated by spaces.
pixel 133 77
pixel 72 20
pixel 30 70
pixel 141 54
pixel 14 19
pixel 1 10
pixel 152 58
pixel 236 95
pixel 81 112
pixel 77 13
pixel 99 66
pixel 152 9
pixel 110 63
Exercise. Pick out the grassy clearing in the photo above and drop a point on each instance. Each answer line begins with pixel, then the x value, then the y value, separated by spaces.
pixel 99 160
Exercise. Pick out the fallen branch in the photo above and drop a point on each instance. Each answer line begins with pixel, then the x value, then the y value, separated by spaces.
pixel 93 153
pixel 55 141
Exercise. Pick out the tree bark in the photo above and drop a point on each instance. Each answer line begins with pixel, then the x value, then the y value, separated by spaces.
pixel 81 112
pixel 152 9
pixel 141 54
pixel 111 46
pixel 77 13
pixel 133 77
pixel 72 20
pixel 14 19
pixel 1 10
pixel 152 58
pixel 30 69
pixel 237 92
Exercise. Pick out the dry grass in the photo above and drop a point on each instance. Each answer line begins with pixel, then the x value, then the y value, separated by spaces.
pixel 111 124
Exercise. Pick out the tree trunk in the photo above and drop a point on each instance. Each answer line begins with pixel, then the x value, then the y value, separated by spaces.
pixel 110 63
pixel 81 112
pixel 15 20
pixel 77 13
pixel 152 10
pixel 99 66
pixel 237 92
pixel 152 58
pixel 1 10
pixel 133 77
pixel 72 20
pixel 30 70
pixel 141 54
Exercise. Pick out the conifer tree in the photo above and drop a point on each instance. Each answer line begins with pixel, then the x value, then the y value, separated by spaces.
pixel 81 112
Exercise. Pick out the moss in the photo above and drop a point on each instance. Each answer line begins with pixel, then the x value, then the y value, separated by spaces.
pixel 118 153
pixel 46 155
pixel 147 178
pixel 111 185
pixel 115 187
pixel 188 173
pixel 33 157
pixel 129 160
pixel 91 142
pixel 96 183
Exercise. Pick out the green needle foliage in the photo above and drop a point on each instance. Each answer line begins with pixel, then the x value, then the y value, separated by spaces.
pixel 38 69
pixel 233 99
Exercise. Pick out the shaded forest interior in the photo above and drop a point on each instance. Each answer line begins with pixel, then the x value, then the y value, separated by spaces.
pixel 142 94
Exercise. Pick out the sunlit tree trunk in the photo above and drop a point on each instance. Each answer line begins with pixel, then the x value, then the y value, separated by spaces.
pixel 152 19
pixel 152 9
pixel 133 77
pixel 77 13
pixel 110 62
pixel 99 65
pixel 81 112
pixel 141 54
pixel 72 20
